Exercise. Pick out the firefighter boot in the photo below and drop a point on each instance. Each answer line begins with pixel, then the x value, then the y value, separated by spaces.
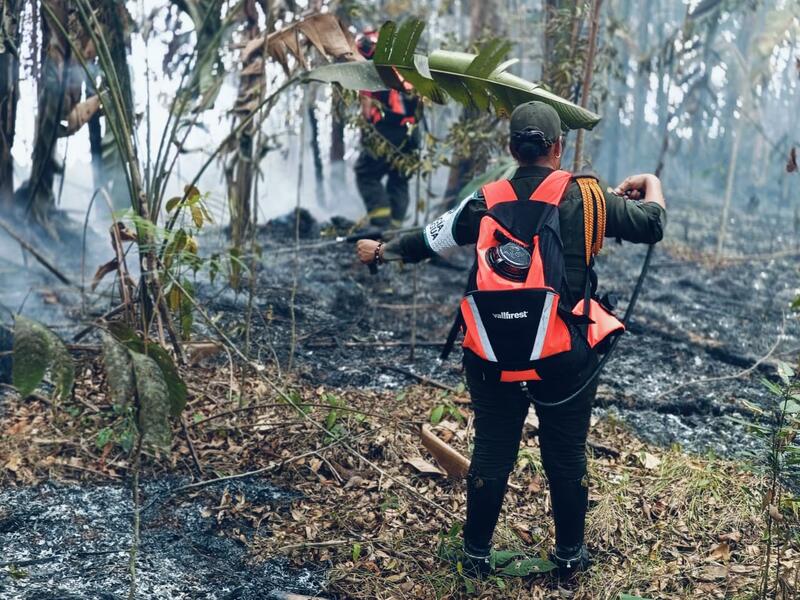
pixel 570 499
pixel 571 561
pixel 484 500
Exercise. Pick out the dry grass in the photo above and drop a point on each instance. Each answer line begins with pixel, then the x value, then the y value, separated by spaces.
pixel 663 524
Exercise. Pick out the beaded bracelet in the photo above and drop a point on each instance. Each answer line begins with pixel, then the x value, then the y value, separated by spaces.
pixel 378 260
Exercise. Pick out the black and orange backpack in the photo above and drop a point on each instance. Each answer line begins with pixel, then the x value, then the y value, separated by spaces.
pixel 517 311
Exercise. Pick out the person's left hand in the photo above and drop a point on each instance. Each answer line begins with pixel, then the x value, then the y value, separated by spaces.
pixel 365 250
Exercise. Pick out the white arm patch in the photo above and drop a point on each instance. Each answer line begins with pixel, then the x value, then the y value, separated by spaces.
pixel 439 233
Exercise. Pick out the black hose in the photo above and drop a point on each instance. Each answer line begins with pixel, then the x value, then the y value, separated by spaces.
pixel 628 312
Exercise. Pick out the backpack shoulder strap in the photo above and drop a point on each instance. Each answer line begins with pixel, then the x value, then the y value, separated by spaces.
pixel 552 189
pixel 498 191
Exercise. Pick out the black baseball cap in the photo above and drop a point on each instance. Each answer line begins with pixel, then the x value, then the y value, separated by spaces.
pixel 537 116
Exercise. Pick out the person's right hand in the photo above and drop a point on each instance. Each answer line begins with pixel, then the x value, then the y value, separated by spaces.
pixel 635 187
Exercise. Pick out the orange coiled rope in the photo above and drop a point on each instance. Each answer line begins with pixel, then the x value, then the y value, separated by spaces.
pixel 600 233
pixel 594 216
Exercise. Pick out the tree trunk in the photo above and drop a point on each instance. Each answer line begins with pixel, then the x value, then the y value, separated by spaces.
pixel 587 80
pixel 741 90
pixel 737 136
pixel 251 93
pixel 110 167
pixel 52 87
pixel 9 95
pixel 96 149
pixel 483 16
pixel 337 127
pixel 338 108
pixel 642 84
pixel 315 150
pixel 561 36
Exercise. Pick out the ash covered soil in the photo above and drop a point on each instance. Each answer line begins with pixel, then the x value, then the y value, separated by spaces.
pixel 695 320
pixel 71 541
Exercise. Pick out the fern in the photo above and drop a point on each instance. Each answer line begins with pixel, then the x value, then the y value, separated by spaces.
pixel 37 351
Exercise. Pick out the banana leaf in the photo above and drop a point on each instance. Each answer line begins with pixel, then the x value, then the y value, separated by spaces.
pixel 481 81
pixel 349 75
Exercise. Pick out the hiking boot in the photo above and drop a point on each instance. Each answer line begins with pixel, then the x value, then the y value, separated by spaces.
pixel 475 563
pixel 570 561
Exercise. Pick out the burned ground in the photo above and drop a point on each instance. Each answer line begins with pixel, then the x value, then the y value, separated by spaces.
pixel 69 542
pixel 695 321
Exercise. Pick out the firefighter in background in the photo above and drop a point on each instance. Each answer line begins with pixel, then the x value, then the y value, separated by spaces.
pixel 391 115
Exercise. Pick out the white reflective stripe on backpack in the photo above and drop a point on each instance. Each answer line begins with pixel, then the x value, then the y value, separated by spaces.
pixel 482 335
pixel 541 332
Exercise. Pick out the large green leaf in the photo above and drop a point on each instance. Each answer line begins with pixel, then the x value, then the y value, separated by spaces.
pixel 501 558
pixel 31 355
pixel 527 566
pixel 119 370
pixel 153 401
pixel 395 55
pixel 481 80
pixel 212 32
pixel 38 350
pixel 350 75
pixel 133 374
pixel 175 384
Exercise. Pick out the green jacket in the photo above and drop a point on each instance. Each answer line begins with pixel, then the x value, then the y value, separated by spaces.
pixel 638 222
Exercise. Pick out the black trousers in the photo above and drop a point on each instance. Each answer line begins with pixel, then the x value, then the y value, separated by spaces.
pixel 385 204
pixel 500 411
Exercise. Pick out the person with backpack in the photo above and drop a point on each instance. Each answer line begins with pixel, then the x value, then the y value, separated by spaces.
pixel 532 319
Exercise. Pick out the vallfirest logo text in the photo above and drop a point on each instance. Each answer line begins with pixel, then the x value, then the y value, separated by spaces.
pixel 509 315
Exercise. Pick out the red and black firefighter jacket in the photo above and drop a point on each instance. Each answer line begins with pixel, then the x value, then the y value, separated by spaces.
pixel 392 114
